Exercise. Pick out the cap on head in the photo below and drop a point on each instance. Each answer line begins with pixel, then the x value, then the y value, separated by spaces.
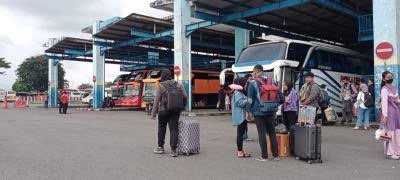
pixel 310 74
pixel 258 67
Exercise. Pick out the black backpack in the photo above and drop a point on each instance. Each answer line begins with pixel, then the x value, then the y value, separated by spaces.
pixel 173 98
pixel 368 99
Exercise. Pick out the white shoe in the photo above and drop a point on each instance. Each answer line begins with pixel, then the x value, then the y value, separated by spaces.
pixel 356 128
pixel 395 157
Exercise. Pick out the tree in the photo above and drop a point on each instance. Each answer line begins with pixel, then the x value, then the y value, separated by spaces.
pixel 20 86
pixel 85 86
pixel 33 72
pixel 4 64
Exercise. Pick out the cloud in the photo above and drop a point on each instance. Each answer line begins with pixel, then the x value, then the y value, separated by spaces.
pixel 27 24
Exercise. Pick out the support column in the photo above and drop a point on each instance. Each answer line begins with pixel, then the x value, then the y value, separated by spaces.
pixel 98 72
pixel 386 29
pixel 242 40
pixel 53 78
pixel 182 46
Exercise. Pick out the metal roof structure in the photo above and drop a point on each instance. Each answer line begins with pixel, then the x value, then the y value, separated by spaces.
pixel 205 40
pixel 334 20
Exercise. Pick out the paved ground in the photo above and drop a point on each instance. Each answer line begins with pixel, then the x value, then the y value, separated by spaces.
pixel 41 144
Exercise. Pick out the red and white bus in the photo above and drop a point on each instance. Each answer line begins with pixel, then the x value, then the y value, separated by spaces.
pixel 127 89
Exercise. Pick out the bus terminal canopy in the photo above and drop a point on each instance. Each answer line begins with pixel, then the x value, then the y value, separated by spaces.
pixel 331 20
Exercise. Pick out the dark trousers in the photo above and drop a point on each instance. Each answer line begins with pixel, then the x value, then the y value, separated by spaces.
pixel 64 108
pixel 60 108
pixel 323 116
pixel 241 130
pixel 172 119
pixel 265 124
pixel 347 112
pixel 289 118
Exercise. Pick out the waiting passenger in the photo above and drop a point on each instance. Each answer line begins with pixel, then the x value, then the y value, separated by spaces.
pixel 363 110
pixel 391 112
pixel 348 94
pixel 291 105
pixel 239 104
pixel 324 104
pixel 221 98
pixel 168 112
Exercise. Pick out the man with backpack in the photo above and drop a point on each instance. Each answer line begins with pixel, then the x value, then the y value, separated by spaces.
pixel 169 101
pixel 348 94
pixel 264 98
pixel 324 104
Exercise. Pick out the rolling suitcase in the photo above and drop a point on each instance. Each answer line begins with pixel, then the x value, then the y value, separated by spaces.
pixel 308 143
pixel 189 137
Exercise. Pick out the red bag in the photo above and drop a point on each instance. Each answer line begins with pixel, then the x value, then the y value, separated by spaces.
pixel 268 91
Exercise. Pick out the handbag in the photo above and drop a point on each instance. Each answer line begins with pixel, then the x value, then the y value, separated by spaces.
pixel 382 135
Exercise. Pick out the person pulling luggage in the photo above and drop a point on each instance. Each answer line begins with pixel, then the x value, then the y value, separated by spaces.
pixel 169 101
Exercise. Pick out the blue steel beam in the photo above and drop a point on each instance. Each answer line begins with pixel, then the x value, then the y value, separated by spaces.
pixel 77 52
pixel 338 6
pixel 107 22
pixel 247 13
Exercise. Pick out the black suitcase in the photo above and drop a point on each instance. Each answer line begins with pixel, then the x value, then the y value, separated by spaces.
pixel 307 143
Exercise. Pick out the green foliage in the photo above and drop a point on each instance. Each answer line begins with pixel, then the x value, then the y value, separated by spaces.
pixel 20 86
pixel 85 86
pixel 33 72
pixel 4 64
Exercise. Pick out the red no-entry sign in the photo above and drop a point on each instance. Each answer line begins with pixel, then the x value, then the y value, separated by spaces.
pixel 177 70
pixel 384 50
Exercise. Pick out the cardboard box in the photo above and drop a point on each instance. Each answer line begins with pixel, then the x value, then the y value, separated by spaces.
pixel 283 145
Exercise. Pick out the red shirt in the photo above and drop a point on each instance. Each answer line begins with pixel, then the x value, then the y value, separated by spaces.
pixel 64 99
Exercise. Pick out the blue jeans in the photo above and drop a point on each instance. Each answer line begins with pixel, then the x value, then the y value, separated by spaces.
pixel 363 114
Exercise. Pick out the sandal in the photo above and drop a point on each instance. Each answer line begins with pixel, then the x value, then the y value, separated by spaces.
pixel 243 154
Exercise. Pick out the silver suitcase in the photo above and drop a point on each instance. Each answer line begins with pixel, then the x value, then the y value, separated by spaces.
pixel 189 137
pixel 307 143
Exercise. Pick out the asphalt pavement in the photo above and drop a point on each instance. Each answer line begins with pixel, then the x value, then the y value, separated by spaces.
pixel 40 144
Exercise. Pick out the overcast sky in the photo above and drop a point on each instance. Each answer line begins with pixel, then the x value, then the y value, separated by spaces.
pixel 27 24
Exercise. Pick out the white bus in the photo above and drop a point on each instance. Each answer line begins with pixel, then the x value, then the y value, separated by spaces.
pixel 291 59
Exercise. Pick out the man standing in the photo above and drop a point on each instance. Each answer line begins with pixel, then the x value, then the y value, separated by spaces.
pixel 64 102
pixel 264 121
pixel 348 93
pixel 324 104
pixel 310 92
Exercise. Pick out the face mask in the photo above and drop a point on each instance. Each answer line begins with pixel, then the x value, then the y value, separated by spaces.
pixel 390 81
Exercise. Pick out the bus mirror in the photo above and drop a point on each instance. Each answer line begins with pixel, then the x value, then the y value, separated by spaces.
pixel 277 74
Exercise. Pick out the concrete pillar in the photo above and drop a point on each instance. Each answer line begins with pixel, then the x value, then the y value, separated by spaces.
pixel 53 78
pixel 182 46
pixel 386 29
pixel 242 40
pixel 98 72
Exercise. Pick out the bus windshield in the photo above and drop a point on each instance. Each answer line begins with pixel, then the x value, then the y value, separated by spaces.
pixel 132 89
pixel 263 52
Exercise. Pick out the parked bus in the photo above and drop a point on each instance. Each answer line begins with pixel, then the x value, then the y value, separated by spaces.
pixel 128 90
pixel 205 87
pixel 11 96
pixel 292 59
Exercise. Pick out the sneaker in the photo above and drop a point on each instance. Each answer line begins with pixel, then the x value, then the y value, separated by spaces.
pixel 395 157
pixel 366 128
pixel 261 159
pixel 173 153
pixel 159 150
pixel 276 158
pixel 356 128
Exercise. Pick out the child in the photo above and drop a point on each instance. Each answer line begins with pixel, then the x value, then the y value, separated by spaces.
pixel 227 102
pixel 239 104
